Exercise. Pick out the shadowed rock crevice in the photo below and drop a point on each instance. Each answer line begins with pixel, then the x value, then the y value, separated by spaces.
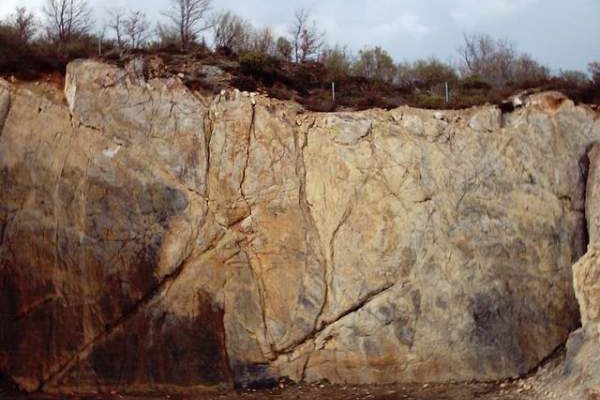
pixel 584 168
pixel 361 303
pixel 312 234
pixel 251 133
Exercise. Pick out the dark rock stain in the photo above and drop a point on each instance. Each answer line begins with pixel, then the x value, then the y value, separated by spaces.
pixel 161 348
pixel 253 376
pixel 495 332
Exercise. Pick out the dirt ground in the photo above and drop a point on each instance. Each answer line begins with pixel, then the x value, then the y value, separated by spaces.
pixel 536 386
pixel 496 391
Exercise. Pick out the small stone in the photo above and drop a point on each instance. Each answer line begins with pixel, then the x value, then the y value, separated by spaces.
pixel 517 101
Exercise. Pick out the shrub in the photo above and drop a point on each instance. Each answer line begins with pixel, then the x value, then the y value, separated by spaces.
pixel 307 76
pixel 429 101
pixel 474 82
pixel 425 74
pixel 281 91
pixel 244 82
pixel 375 63
pixel 320 102
pixel 574 78
pixel 260 67
pixel 336 62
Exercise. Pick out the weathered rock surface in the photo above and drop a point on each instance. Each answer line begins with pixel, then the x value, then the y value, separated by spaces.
pixel 151 237
pixel 582 367
pixel 592 209
pixel 580 378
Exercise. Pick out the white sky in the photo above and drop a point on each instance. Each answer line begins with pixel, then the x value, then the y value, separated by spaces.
pixel 559 33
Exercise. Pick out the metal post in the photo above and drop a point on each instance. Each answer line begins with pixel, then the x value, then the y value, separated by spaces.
pixel 447 93
pixel 333 92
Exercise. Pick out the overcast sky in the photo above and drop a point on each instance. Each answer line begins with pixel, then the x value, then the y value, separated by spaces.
pixel 559 33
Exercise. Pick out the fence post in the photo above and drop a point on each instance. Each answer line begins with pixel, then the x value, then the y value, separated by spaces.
pixel 333 92
pixel 447 93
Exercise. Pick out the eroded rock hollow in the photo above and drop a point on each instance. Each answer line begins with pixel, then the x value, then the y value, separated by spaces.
pixel 154 237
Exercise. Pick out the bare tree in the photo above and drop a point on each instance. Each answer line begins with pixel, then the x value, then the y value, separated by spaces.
pixel 263 41
pixel 487 57
pixel 67 19
pixel 167 36
pixel 189 18
pixel 306 38
pixel 497 61
pixel 299 25
pixel 117 15
pixel 524 68
pixel 136 28
pixel 238 35
pixel 231 31
pixel 23 23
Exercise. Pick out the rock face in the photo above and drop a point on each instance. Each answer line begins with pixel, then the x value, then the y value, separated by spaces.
pixel 581 376
pixel 154 238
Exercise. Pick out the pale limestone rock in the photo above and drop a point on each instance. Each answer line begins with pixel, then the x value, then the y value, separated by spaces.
pixel 486 120
pixel 586 276
pixel 580 378
pixel 421 235
pixel 153 237
pixel 592 211
pixel 159 118
pixel 86 237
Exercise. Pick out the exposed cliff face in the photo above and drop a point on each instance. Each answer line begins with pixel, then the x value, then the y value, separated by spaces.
pixel 152 237
pixel 579 378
